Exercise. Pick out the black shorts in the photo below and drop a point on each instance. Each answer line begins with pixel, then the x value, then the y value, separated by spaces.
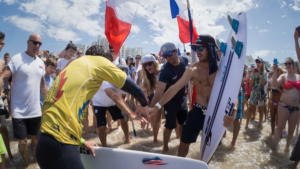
pixel 24 127
pixel 100 113
pixel 51 153
pixel 175 110
pixel 193 125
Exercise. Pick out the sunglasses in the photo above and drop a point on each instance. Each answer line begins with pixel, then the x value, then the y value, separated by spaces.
pixel 200 48
pixel 79 53
pixel 112 51
pixel 167 55
pixel 258 61
pixel 287 63
pixel 36 42
pixel 149 64
pixel 1 45
pixel 137 58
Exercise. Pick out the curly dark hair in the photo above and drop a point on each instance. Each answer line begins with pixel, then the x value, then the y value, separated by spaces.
pixel 97 50
pixel 2 35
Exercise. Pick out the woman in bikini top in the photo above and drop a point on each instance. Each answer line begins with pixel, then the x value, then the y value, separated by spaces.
pixel 275 98
pixel 289 101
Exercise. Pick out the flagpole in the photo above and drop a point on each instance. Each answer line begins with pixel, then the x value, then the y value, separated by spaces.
pixel 184 51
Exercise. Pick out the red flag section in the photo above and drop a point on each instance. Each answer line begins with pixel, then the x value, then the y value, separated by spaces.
pixel 119 16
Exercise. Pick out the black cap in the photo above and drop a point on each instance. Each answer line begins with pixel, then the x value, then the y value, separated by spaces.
pixel 205 40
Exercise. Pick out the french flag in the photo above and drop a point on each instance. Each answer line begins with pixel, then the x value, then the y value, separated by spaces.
pixel 179 9
pixel 119 16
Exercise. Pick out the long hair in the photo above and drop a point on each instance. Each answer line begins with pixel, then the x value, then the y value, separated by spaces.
pixel 296 64
pixel 149 80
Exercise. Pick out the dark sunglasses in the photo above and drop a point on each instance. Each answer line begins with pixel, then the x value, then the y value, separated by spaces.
pixel 137 58
pixel 112 51
pixel 36 42
pixel 79 53
pixel 200 48
pixel 1 45
pixel 258 61
pixel 167 55
pixel 149 64
pixel 287 63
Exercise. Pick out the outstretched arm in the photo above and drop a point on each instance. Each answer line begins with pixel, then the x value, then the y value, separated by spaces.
pixel 44 88
pixel 296 37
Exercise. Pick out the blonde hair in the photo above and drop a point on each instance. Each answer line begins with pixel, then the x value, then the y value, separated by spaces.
pixel 149 80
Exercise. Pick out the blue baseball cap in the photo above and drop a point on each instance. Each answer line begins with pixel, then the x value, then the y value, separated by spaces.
pixel 129 57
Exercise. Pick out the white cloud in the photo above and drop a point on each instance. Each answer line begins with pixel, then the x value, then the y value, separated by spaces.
pixel 256 5
pixel 28 24
pixel 283 16
pixel 263 30
pixel 135 29
pixel 205 14
pixel 9 2
pixel 65 17
pixel 250 27
pixel 269 22
pixel 274 52
pixel 145 42
pixel 283 4
pixel 262 53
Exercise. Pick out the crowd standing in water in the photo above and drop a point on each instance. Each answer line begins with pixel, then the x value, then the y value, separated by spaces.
pixel 110 85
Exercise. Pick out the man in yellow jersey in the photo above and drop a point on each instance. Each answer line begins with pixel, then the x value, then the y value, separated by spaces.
pixel 66 104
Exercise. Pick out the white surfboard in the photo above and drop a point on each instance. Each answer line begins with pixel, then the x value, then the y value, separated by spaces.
pixel 115 158
pixel 225 89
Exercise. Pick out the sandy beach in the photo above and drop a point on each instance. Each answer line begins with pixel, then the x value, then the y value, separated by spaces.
pixel 252 150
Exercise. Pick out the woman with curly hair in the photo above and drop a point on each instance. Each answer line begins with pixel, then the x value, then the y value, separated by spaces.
pixel 276 92
pixel 288 105
pixel 150 75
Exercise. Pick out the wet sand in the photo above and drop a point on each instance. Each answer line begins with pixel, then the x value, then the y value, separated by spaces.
pixel 252 150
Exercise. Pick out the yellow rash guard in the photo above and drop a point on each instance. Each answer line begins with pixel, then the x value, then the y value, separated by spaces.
pixel 67 101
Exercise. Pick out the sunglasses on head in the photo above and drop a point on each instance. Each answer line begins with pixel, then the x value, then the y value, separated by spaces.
pixel 36 42
pixel 137 58
pixel 1 45
pixel 200 48
pixel 287 63
pixel 149 64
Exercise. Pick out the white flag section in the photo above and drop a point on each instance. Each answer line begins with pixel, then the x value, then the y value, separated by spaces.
pixel 119 16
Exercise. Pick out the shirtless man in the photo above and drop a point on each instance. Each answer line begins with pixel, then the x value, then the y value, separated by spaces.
pixel 203 75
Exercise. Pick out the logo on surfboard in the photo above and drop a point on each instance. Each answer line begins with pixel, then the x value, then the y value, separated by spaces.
pixel 153 161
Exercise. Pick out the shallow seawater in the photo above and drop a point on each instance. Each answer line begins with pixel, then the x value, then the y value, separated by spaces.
pixel 252 149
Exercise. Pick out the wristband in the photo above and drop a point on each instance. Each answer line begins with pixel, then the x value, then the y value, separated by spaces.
pixel 158 105
pixel 81 142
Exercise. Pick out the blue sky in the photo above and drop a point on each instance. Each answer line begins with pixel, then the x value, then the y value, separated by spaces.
pixel 271 24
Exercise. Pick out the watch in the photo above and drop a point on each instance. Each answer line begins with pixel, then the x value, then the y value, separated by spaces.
pixel 158 105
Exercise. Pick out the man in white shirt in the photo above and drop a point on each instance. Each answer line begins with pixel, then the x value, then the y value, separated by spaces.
pixel 104 100
pixel 27 71
pixel 115 57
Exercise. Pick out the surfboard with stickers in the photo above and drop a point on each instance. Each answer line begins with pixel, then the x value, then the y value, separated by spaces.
pixel 226 85
pixel 116 158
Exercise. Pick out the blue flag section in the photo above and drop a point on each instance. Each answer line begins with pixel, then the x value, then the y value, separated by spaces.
pixel 174 8
pixel 179 54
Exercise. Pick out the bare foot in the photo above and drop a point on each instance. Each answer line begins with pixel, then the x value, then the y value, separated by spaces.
pixel 233 144
pixel 128 141
pixel 155 140
pixel 165 149
pixel 119 129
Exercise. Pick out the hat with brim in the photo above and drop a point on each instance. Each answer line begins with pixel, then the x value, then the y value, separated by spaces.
pixel 148 58
pixel 205 40
pixel 167 47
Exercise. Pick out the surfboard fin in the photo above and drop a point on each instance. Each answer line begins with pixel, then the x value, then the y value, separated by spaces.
pixel 221 45
pixel 233 22
pixel 236 45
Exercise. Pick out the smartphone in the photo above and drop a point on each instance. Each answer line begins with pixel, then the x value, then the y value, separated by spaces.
pixel 298 29
pixel 276 62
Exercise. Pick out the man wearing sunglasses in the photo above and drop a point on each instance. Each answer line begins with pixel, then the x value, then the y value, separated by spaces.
pixel 176 108
pixel 27 71
pixel 79 53
pixel 203 75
